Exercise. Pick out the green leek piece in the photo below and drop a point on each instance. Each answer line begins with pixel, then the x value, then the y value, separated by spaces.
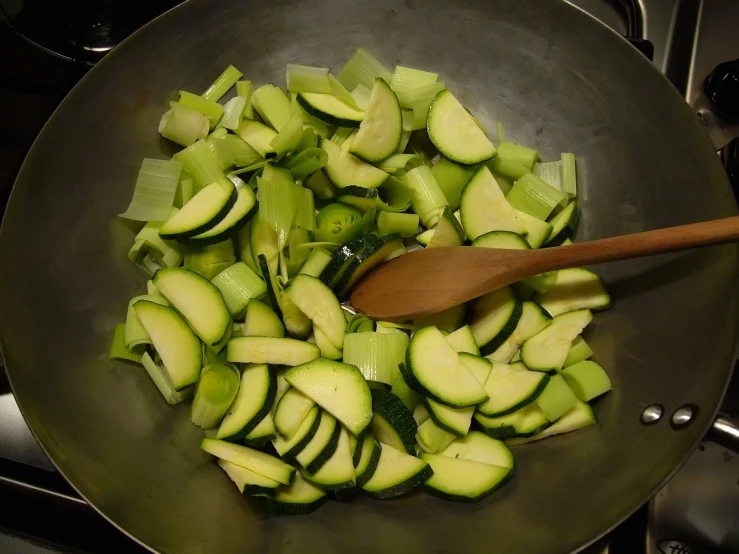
pixel 200 161
pixel 362 69
pixel 185 192
pixel 136 335
pixel 569 175
pixel 233 151
pixel 398 164
pixel 333 234
pixel 499 128
pixel 159 375
pixel 151 253
pixel 289 137
pixel 361 96
pixel 516 152
pixel 219 132
pixel 535 196
pixel 307 162
pixel 209 261
pixel 272 106
pixel 296 253
pixel 305 213
pixel 321 128
pixel 152 289
pixel 339 91
pixel 428 200
pixel 404 224
pixel 587 380
pixel 320 185
pixel 303 78
pixel 359 323
pixel 245 90
pixel 406 78
pixel 419 100
pixel 308 140
pixel 233 112
pixel 214 394
pixel 277 207
pixel 239 284
pixel 507 167
pixel 119 350
pixel 452 178
pixel 377 355
pixel 213 111
pixel 154 193
pixel 405 137
pixel 317 261
pixel 220 86
pixel 271 173
pixel 409 120
pixel 183 125
pixel 341 135
pixel 579 352
pixel 550 172
pixel 391 327
pixel 335 218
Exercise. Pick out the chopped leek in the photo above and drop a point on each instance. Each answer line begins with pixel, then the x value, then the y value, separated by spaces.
pixel 303 78
pixel 320 185
pixel 289 137
pixel 135 334
pixel 359 323
pixel 428 199
pixel 535 196
pixel 213 111
pixel 150 252
pixel 119 350
pixel 308 140
pixel 377 355
pixel 518 153
pixel 341 135
pixel 508 167
pixel 419 100
pixel 185 191
pixel 209 261
pixel 272 173
pixel 405 224
pixel 317 261
pixel 321 128
pixel 361 96
pixel 341 234
pixel 399 163
pixel 335 218
pixel 398 196
pixel 245 89
pixel 158 374
pixel 238 284
pixel 405 137
pixel 409 120
pixel 152 289
pixel 551 172
pixel 362 69
pixel 569 175
pixel 406 78
pixel 272 105
pixel 297 254
pixel 233 112
pixel 183 125
pixel 277 207
pixel 154 193
pixel 452 178
pixel 499 128
pixel 307 162
pixel 220 86
pixel 391 327
pixel 340 92
pixel 201 162
pixel 305 213
pixel 214 394
pixel 233 151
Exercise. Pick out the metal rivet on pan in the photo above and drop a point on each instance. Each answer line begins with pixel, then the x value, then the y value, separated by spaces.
pixel 683 415
pixel 652 414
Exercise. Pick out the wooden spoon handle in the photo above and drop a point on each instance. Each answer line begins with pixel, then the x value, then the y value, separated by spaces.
pixel 637 245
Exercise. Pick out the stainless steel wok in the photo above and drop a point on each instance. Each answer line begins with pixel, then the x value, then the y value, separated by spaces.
pixel 557 79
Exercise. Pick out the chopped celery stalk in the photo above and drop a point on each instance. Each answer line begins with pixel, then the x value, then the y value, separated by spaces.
pixel 233 151
pixel 220 86
pixel 452 178
pixel 399 163
pixel 362 69
pixel 303 78
pixel 200 161
pixel 405 224
pixel 377 355
pixel 154 193
pixel 209 261
pixel 341 135
pixel 185 191
pixel 305 213
pixel 321 128
pixel 289 137
pixel 214 394
pixel 233 112
pixel 307 162
pixel 159 375
pixel 150 252
pixel 361 96
pixel 317 261
pixel 516 152
pixel 277 207
pixel 183 125
pixel 551 172
pixel 135 334
pixel 359 323
pixel 535 197
pixel 239 284
pixel 272 105
pixel 213 111
pixel 569 175
pixel 320 185
pixel 499 128
pixel 119 350
pixel 341 234
pixel 406 78
pixel 508 167
pixel 428 200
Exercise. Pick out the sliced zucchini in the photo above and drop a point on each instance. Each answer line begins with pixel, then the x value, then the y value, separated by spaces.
pixel 330 109
pixel 338 388
pixel 533 319
pixel 320 305
pixel 242 456
pixel 494 318
pixel 432 438
pixel 204 211
pixel 578 417
pixel 396 473
pixel 341 257
pixel 447 232
pixel 503 426
pixel 454 132
pixel 338 471
pixel 440 372
pixel 579 352
pixel 372 255
pixel 268 350
pixel 322 446
pixel 174 341
pixel 587 380
pixel 392 422
pixel 511 389
pixel 261 321
pixel 548 349
pixel 463 480
pixel 478 447
pixel 480 367
pixel 257 135
pixel 290 412
pixel 263 433
pixel 263 241
pixel 407 395
pixel 506 240
pixel 366 464
pixel 575 289
pixel 289 448
pixel 297 324
pixel 328 350
pixel 271 285
pixel 452 178
pixel 484 208
pixel 564 224
pixel 248 482
pixel 462 340
pixel 243 245
pixel 556 398
pixel 452 420
pixel 297 499
pixel 380 130
pixel 425 237
pixel 238 216
pixel 537 231
pixel 447 320
pixel 343 169
pixel 253 401
pixel 198 300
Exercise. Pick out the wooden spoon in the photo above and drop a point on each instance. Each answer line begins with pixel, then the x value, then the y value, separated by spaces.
pixel 431 280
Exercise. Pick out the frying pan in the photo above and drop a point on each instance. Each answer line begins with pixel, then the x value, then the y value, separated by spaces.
pixel 557 79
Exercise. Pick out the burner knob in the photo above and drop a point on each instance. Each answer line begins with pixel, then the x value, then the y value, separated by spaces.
pixel 722 89
pixel 730 158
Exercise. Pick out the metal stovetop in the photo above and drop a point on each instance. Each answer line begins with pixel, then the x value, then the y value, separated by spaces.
pixel 696 513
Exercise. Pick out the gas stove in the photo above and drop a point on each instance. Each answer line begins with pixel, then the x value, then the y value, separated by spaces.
pixel 46 47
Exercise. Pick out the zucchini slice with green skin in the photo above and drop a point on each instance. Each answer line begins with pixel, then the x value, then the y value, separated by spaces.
pixel 341 257
pixel 380 130
pixel 452 420
pixel 478 447
pixel 576 288
pixel 330 109
pixel 447 320
pixel 242 456
pixel 533 319
pixel 425 237
pixel 578 417
pixel 484 208
pixel 432 438
pixel 547 350
pixel 204 211
pixel 447 232
pixel 537 231
pixel 511 389
pixel 328 350
pixel 297 499
pixel 368 459
pixel 262 321
pixel 288 449
pixel 338 471
pixel 462 340
pixel 396 473
pixel 440 372
pixel 248 482
pixel 253 401
pixel 504 426
pixel 322 446
pixel 454 132
pixel 297 324
pixel 291 410
pixel 175 342
pixel 269 350
pixel 338 388
pixel 365 261
pixel 344 169
pixel 238 216
pixel 556 399
pixel 480 367
pixel 495 316
pixel 463 480
pixel 392 422
pixel 534 421
pixel 506 240
pixel 320 305
pixel 263 433
pixel 198 301
pixel 564 224
pixel 579 352
pixel 587 380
